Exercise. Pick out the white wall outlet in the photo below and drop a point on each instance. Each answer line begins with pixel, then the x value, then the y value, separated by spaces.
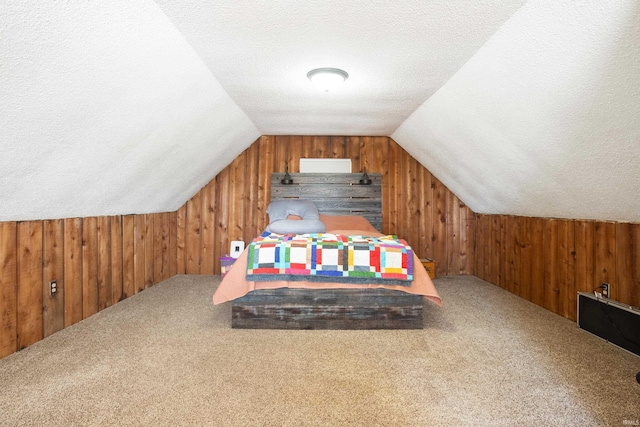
pixel 237 246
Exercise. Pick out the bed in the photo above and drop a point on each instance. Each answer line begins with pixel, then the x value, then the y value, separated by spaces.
pixel 346 209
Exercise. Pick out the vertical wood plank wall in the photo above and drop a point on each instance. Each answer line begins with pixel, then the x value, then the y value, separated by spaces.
pixel 96 261
pixel 416 205
pixel 547 261
pixel 99 261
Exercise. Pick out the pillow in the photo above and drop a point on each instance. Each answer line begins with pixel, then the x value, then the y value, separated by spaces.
pixel 280 210
pixel 347 222
pixel 296 226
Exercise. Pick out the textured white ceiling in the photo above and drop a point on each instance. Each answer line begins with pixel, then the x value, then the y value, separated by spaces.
pixel 397 54
pixel 129 107
pixel 545 119
pixel 106 109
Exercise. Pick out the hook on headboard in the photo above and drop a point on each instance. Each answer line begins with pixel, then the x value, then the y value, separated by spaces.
pixel 286 179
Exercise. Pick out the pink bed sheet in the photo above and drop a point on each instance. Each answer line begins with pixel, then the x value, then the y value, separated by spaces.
pixel 234 285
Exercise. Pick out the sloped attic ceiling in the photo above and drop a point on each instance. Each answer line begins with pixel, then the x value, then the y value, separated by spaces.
pixel 106 109
pixel 126 107
pixel 544 120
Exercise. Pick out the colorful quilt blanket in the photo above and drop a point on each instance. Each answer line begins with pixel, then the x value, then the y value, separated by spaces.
pixel 325 257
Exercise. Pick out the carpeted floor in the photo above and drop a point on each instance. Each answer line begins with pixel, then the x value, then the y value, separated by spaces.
pixel 168 357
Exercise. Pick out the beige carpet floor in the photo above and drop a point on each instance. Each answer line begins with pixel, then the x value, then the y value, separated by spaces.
pixel 168 357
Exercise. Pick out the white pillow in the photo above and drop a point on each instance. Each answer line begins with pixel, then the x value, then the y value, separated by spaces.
pixel 279 210
pixel 296 226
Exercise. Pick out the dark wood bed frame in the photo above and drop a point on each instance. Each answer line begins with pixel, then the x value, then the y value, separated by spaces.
pixel 293 308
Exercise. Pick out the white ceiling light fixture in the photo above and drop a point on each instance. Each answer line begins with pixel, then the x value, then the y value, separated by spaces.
pixel 327 78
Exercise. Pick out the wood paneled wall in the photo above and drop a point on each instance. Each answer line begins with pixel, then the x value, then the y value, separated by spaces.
pixel 96 261
pixel 547 261
pixel 416 205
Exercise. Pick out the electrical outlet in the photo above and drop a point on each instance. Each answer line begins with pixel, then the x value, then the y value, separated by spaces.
pixel 53 287
pixel 605 290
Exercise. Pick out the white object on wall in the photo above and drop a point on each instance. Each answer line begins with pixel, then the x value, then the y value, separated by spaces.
pixel 325 165
pixel 237 246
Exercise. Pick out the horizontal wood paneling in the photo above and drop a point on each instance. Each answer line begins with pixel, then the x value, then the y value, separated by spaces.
pixel 287 308
pixel 416 205
pixel 553 259
pixel 93 260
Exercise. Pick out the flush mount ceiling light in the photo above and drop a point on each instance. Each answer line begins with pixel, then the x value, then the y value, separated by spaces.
pixel 327 78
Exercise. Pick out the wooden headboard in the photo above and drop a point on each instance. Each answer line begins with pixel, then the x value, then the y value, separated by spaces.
pixel 335 193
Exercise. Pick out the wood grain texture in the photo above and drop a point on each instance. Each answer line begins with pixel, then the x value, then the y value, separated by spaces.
pixel 423 239
pixel 222 219
pixel 157 248
pixel 467 241
pixel 554 259
pixel 603 251
pixel 494 261
pixel 89 267
pixel 454 226
pixel 149 260
pixel 93 261
pixel 550 241
pixel 605 246
pixel 72 271
pixel 439 227
pixel 250 228
pixel 334 194
pixel 8 288
pixel 536 261
pixel 238 194
pixel 505 252
pixel 128 256
pixel 208 236
pixel 632 293
pixel 328 309
pixel 173 243
pixel 266 148
pixel 393 191
pixel 164 256
pixel 566 269
pixel 139 252
pixel 194 228
pixel 53 270
pixel 181 239
pixel 585 256
pixel 116 250
pixel 29 323
pixel 480 246
pixel 243 191
pixel 104 263
pixel 522 268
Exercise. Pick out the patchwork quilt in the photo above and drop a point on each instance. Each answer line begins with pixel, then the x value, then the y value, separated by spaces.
pixel 326 257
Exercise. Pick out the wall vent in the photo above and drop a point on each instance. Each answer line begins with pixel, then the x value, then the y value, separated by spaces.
pixel 325 165
pixel 610 320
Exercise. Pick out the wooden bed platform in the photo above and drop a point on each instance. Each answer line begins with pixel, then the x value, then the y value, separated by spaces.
pixel 294 308
pixel 287 308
